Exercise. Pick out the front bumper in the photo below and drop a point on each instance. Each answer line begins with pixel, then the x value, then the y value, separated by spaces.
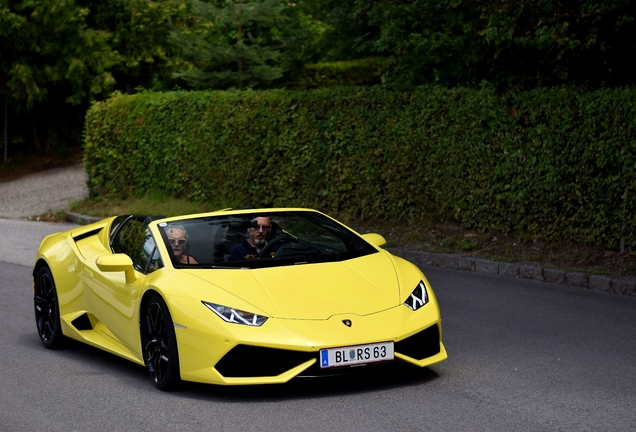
pixel 215 352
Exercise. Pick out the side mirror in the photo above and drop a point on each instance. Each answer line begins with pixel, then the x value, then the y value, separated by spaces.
pixel 116 263
pixel 374 239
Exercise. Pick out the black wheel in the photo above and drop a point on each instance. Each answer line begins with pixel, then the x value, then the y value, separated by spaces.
pixel 47 311
pixel 160 344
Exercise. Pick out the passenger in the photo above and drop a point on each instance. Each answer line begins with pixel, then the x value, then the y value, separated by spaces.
pixel 251 247
pixel 178 239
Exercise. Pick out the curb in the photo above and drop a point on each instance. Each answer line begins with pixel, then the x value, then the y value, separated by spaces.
pixel 81 219
pixel 622 286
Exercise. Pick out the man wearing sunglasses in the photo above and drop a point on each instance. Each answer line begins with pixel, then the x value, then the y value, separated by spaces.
pixel 251 247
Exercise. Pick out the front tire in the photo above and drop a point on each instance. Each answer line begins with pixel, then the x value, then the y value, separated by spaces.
pixel 160 344
pixel 47 311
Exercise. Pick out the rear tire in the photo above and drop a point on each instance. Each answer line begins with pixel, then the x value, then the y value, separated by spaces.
pixel 160 344
pixel 47 310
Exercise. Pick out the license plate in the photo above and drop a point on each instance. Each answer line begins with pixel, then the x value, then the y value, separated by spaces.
pixel 356 355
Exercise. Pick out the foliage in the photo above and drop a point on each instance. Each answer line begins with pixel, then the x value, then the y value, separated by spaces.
pixel 552 42
pixel 333 74
pixel 50 45
pixel 507 43
pixel 237 45
pixel 343 29
pixel 554 163
pixel 79 47
pixel 139 33
pixel 57 56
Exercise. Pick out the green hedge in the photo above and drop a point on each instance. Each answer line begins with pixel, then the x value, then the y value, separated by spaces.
pixel 555 164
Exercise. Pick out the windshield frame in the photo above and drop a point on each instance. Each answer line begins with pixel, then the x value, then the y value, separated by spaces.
pixel 356 245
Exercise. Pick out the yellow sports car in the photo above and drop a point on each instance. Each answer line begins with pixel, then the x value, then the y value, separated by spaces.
pixel 235 296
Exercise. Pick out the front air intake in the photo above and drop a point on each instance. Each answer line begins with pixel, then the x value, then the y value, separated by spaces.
pixel 420 345
pixel 251 361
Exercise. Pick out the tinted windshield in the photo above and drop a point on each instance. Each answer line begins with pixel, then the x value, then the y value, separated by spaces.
pixel 260 240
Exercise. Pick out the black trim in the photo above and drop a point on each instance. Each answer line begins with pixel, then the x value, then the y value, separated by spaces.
pixel 149 219
pixel 253 361
pixel 87 234
pixel 355 245
pixel 114 233
pixel 420 345
pixel 82 322
pixel 140 218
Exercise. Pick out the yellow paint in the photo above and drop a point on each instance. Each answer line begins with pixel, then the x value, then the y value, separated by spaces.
pixel 305 304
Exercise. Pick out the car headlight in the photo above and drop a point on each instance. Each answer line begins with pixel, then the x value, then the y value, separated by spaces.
pixel 236 316
pixel 418 298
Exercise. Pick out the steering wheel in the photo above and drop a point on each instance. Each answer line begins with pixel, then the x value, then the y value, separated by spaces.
pixel 284 238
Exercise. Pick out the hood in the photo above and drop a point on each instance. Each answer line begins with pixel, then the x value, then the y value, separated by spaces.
pixel 358 286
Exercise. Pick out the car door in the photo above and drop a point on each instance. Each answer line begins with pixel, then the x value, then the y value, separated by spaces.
pixel 113 301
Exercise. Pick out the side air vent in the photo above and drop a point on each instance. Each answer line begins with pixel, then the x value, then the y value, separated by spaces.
pixel 82 323
pixel 421 345
pixel 87 234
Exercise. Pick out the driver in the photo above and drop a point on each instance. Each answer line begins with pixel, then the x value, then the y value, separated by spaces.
pixel 251 247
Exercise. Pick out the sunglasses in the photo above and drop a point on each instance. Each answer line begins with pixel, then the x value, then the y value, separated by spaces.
pixel 179 242
pixel 261 227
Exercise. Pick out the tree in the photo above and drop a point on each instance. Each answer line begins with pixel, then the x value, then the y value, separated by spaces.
pixel 139 32
pixel 548 42
pixel 342 28
pixel 235 45
pixel 505 42
pixel 51 58
pixel 56 56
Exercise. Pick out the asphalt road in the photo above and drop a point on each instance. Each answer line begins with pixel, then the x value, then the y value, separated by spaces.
pixel 524 356
pixel 19 239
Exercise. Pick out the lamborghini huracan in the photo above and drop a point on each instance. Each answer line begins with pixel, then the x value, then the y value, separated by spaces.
pixel 236 297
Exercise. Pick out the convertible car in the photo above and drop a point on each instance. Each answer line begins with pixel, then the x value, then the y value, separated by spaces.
pixel 236 297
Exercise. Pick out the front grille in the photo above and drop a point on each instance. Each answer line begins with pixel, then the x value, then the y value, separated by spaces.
pixel 421 345
pixel 251 361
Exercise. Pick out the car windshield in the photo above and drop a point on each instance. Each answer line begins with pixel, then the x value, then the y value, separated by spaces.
pixel 264 239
